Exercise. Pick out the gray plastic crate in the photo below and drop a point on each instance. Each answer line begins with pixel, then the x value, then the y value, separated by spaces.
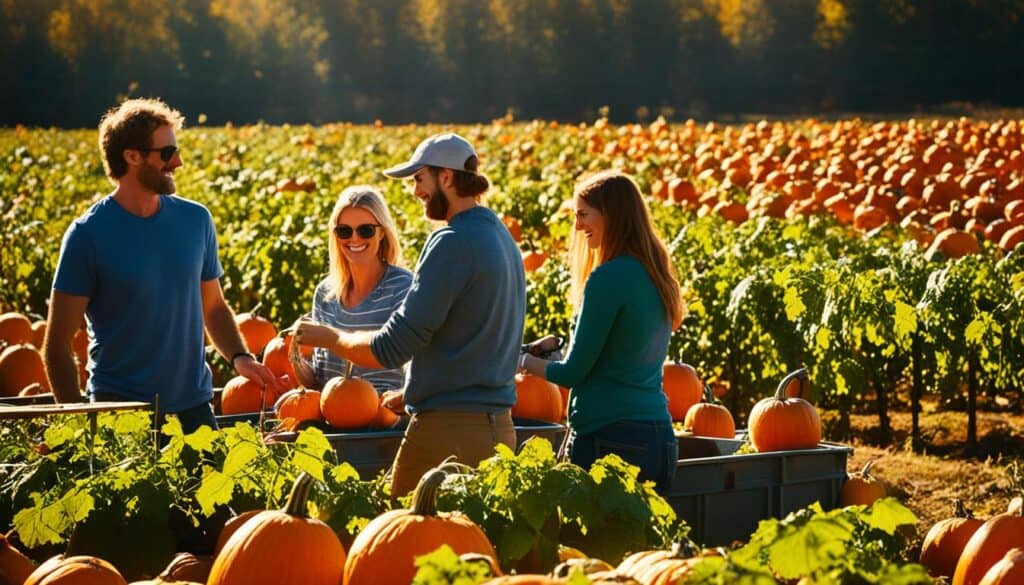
pixel 723 496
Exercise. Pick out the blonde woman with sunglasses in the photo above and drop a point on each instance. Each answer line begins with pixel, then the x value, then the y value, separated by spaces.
pixel 364 286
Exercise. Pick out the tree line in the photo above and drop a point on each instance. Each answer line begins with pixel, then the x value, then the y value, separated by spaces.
pixel 66 61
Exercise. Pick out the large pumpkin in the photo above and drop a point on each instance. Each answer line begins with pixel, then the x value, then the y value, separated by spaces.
pixel 282 546
pixel 946 540
pixel 709 419
pixel 231 527
pixel 682 387
pixel 537 398
pixel 275 357
pixel 661 567
pixel 21 365
pixel 14 566
pixel 1008 571
pixel 256 331
pixel 75 570
pixel 987 545
pixel 349 403
pixel 385 551
pixel 242 395
pixel 862 488
pixel 15 329
pixel 778 423
pixel 299 404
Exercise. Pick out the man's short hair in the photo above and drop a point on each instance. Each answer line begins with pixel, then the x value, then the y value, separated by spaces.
pixel 131 125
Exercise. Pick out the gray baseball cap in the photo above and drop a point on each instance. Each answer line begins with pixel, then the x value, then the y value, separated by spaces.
pixel 447 150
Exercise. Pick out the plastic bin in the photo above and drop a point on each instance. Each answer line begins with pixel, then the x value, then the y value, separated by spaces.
pixel 723 496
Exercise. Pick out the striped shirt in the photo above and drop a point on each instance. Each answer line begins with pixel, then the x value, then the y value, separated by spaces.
pixel 370 314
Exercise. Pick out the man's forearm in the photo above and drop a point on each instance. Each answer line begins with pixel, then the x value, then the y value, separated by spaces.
pixel 62 372
pixel 220 325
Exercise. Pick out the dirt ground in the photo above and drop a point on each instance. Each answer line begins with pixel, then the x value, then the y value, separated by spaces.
pixel 929 483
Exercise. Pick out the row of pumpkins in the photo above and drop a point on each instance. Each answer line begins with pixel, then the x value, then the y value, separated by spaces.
pixel 286 546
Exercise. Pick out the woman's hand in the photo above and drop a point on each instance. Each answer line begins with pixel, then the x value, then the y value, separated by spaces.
pixel 316 335
pixel 393 400
pixel 544 345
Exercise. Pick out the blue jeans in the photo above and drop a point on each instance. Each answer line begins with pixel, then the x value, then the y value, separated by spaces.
pixel 190 419
pixel 650 445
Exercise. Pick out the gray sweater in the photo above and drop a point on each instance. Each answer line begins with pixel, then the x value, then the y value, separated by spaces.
pixel 461 324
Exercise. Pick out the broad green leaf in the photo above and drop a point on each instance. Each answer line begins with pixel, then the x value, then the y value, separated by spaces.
pixel 821 338
pixel 239 458
pixel 58 434
pixel 51 524
pixel 215 488
pixel 809 548
pixel 794 304
pixel 344 472
pixel 126 422
pixel 888 514
pixel 975 330
pixel 310 447
pixel 202 439
pixel 905 319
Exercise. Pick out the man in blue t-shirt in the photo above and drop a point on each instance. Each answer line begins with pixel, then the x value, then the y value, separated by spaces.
pixel 141 265
pixel 460 326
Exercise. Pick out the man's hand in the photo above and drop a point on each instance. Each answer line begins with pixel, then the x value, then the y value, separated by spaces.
pixel 546 347
pixel 393 400
pixel 257 372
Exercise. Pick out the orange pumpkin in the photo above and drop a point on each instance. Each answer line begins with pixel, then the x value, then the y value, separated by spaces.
pixel 15 329
pixel 75 570
pixel 242 395
pixel 21 365
pixel 515 229
pixel 533 260
pixel 299 404
pixel 385 551
pixel 1012 237
pixel 349 403
pixel 661 567
pixel 187 567
pixel 778 423
pixel 709 419
pixel 953 243
pixel 256 331
pixel 946 539
pixel 282 546
pixel 14 566
pixel 682 387
pixel 987 545
pixel 275 357
pixel 232 526
pixel 385 419
pixel 862 488
pixel 38 334
pixel 537 398
pixel 1008 571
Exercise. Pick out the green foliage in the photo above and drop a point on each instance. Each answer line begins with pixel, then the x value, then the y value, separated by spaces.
pixel 528 503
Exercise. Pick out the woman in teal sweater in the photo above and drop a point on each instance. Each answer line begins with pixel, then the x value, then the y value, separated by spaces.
pixel 627 303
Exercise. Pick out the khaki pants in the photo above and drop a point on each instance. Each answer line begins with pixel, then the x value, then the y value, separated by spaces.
pixel 433 436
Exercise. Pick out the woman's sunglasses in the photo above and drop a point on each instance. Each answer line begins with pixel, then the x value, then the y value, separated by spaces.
pixel 166 152
pixel 364 231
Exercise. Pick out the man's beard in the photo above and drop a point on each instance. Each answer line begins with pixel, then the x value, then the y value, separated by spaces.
pixel 437 206
pixel 153 179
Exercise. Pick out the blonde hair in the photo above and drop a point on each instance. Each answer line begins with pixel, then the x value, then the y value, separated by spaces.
pixel 628 229
pixel 390 252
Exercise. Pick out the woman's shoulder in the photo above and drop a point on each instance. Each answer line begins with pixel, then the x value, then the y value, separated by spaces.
pixel 619 267
pixel 396 277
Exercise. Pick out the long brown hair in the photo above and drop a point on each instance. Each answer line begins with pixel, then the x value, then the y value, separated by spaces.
pixel 390 252
pixel 628 229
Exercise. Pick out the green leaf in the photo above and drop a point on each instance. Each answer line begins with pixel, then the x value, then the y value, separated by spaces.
pixel 216 488
pixel 202 439
pixel 58 434
pixel 794 304
pixel 809 548
pixel 821 338
pixel 310 448
pixel 126 422
pixel 344 472
pixel 905 319
pixel 887 515
pixel 51 523
pixel 975 330
pixel 239 458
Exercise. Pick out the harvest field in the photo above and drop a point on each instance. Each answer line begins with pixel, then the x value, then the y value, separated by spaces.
pixel 881 256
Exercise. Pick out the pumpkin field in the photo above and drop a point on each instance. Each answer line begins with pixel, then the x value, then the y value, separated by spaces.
pixel 868 274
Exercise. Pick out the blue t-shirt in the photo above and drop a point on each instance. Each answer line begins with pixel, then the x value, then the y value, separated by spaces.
pixel 370 314
pixel 145 311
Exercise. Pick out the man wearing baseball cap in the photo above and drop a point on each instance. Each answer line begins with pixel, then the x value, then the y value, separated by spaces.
pixel 460 326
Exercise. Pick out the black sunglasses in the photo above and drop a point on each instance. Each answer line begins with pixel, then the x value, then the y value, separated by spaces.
pixel 166 152
pixel 365 230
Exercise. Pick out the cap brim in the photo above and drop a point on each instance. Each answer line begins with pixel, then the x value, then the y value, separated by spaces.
pixel 403 170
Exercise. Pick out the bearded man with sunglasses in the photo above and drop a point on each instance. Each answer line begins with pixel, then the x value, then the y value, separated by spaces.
pixel 141 266
pixel 460 326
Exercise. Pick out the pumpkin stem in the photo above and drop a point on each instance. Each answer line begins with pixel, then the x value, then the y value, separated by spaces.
pixel 681 549
pixel 424 499
pixel 780 392
pixel 255 311
pixel 348 370
pixel 296 505
pixel 959 510
pixel 867 468
pixel 709 396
